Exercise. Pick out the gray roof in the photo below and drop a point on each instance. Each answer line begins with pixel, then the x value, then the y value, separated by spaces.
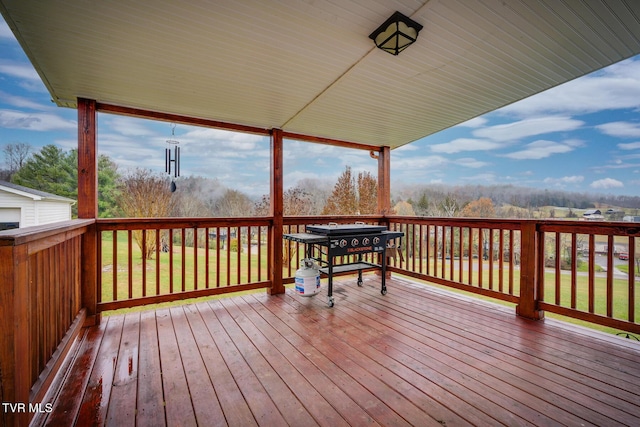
pixel 8 186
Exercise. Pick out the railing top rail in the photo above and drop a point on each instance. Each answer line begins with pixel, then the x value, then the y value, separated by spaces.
pixel 588 227
pixel 21 236
pixel 152 223
pixel 315 219
pixel 503 223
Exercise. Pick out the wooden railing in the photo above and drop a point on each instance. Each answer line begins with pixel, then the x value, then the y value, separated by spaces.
pixel 41 310
pixel 570 268
pixel 590 271
pixel 480 256
pixel 185 258
pixel 54 279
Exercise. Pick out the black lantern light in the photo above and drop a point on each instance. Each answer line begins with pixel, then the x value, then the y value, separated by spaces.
pixel 396 34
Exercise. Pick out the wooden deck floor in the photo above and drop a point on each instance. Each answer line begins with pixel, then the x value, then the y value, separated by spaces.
pixel 416 356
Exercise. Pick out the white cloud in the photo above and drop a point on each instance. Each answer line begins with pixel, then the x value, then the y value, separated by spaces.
pixel 620 129
pixel 419 163
pixel 615 87
pixel 465 144
pixel 629 146
pixel 574 179
pixel 34 121
pixel 542 149
pixel 606 183
pixel 529 127
pixel 474 123
pixel 481 178
pixel 469 162
pixel 19 70
pixel 130 126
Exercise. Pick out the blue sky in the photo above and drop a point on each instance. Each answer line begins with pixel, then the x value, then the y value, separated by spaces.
pixel 582 136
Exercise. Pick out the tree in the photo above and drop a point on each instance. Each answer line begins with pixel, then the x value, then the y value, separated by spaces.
pixel 145 194
pixel 16 155
pixel 51 170
pixel 343 199
pixel 233 203
pixel 404 208
pixel 367 193
pixel 108 189
pixel 481 208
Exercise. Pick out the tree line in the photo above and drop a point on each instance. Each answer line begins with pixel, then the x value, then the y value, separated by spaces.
pixel 141 192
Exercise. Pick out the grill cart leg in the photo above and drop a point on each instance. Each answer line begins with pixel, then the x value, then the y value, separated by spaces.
pixel 359 271
pixel 330 300
pixel 383 291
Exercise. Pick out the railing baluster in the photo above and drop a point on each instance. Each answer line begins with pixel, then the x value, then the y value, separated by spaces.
pixel 171 270
pixel 114 285
pixel 632 278
pixel 144 263
pixel 480 256
pixel 129 265
pixel 574 267
pixel 206 258
pixel 592 263
pixel 558 264
pixel 228 256
pixel 501 262
pixel 158 252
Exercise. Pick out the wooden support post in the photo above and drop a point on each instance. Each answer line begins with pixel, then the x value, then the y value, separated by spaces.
pixel 384 193
pixel 88 204
pixel 15 345
pixel 529 271
pixel 384 181
pixel 277 212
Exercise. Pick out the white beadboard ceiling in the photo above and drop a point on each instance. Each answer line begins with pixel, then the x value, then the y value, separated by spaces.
pixel 308 66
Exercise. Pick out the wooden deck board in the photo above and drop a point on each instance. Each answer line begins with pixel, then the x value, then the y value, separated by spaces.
pixel 416 356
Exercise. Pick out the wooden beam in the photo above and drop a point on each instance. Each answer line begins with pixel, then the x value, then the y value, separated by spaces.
pixel 277 212
pixel 329 141
pixel 88 204
pixel 176 118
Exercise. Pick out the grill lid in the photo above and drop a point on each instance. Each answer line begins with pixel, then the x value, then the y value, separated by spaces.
pixel 342 229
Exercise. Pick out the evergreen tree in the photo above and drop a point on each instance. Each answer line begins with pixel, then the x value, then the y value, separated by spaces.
pixel 51 170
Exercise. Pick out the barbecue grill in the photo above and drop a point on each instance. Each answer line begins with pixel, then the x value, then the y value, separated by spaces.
pixel 346 239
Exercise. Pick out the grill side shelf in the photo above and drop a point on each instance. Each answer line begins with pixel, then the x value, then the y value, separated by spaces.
pixel 343 268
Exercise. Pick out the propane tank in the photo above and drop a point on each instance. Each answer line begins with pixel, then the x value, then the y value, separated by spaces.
pixel 307 278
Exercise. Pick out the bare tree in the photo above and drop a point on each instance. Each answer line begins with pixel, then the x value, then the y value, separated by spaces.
pixel 15 155
pixel 145 194
pixel 234 203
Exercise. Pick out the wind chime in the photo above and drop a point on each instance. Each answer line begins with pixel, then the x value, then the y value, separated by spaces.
pixel 172 158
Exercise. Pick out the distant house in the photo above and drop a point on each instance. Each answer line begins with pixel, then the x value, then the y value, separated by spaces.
pixel 593 215
pixel 24 207
pixel 631 218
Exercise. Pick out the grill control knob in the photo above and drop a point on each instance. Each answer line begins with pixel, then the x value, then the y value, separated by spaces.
pixel 376 240
pixel 365 241
pixel 354 242
pixel 343 243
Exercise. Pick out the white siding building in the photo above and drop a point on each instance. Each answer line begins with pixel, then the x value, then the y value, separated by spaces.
pixel 24 207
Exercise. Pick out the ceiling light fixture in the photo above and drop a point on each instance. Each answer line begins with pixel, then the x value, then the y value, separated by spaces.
pixel 396 34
